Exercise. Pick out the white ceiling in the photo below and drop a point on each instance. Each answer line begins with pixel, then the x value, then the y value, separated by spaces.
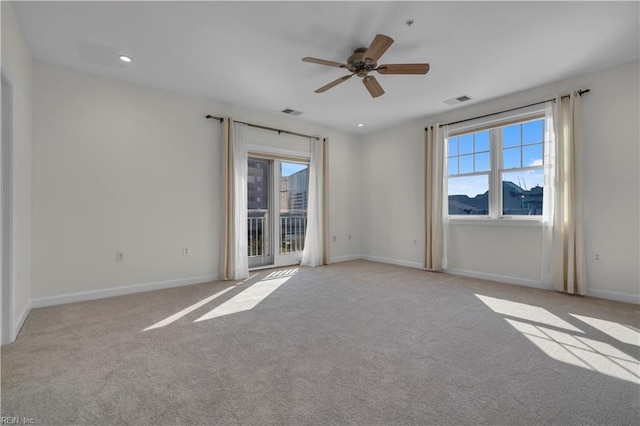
pixel 249 53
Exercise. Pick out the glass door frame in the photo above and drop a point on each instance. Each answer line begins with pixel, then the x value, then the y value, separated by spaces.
pixel 275 157
pixel 267 240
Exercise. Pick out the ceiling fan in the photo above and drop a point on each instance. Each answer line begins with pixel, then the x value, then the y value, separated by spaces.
pixel 364 60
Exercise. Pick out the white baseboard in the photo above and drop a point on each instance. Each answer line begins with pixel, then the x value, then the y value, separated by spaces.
pixel 339 259
pixel 408 264
pixel 119 291
pixel 499 278
pixel 20 321
pixel 612 295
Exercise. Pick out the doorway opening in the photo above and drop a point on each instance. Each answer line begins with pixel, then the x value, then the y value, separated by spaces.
pixel 277 199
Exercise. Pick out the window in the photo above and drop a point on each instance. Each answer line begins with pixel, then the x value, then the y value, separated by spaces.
pixel 498 171
pixel 468 167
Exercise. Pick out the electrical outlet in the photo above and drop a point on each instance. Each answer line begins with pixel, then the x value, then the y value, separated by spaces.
pixel 349 237
pixel 334 238
pixel 119 256
pixel 597 258
pixel 186 251
pixel 415 241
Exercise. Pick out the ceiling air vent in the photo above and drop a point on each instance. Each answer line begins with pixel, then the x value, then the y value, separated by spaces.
pixel 291 111
pixel 453 101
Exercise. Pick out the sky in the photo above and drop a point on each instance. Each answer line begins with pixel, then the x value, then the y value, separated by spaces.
pixel 290 168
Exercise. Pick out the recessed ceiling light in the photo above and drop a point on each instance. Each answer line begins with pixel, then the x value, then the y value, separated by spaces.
pixel 360 125
pixel 124 58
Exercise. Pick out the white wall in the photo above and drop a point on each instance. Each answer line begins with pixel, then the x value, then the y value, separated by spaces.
pixel 16 61
pixel 611 209
pixel 392 171
pixel 345 209
pixel 118 166
pixel 392 174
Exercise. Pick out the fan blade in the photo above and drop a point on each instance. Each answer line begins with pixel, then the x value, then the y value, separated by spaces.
pixel 378 46
pixel 324 62
pixel 333 83
pixel 373 86
pixel 403 69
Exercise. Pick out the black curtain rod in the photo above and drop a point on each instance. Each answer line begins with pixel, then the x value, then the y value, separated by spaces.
pixel 257 126
pixel 580 93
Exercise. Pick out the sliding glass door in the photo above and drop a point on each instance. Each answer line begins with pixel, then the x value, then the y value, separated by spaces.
pixel 277 211
pixel 259 206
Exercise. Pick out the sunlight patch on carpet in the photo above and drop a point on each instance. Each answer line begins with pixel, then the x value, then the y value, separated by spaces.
pixel 526 312
pixel 252 296
pixel 566 343
pixel 581 351
pixel 182 313
pixel 620 332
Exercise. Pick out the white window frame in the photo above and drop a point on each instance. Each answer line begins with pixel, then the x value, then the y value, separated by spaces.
pixel 495 216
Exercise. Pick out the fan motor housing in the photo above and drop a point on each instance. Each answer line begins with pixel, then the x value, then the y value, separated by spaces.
pixel 358 65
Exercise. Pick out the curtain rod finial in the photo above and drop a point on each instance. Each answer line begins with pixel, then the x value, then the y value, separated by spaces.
pixel 213 117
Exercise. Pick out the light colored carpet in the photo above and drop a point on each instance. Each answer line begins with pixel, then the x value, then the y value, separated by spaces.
pixel 351 343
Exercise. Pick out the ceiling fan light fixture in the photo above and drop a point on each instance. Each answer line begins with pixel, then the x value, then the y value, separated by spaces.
pixel 365 60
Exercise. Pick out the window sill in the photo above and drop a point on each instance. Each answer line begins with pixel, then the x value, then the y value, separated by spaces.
pixel 504 221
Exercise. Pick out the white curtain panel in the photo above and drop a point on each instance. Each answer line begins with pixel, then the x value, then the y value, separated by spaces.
pixel 563 246
pixel 235 264
pixel 436 205
pixel 240 166
pixel 549 194
pixel 312 255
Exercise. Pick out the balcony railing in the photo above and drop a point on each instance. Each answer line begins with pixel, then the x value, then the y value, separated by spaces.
pixel 293 228
pixel 258 231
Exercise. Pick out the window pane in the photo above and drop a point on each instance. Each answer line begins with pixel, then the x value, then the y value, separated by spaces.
pixel 511 158
pixel 258 223
pixel 522 192
pixel 482 162
pixel 469 195
pixel 532 155
pixel 511 136
pixel 466 164
pixel 453 146
pixel 294 185
pixel 452 166
pixel 256 169
pixel 466 144
pixel 532 132
pixel 482 141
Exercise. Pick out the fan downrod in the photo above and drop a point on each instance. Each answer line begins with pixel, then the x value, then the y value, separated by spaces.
pixel 357 64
